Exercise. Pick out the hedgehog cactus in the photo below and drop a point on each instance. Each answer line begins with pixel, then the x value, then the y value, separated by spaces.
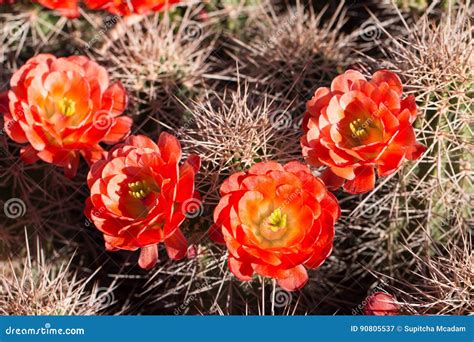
pixel 447 104
pixel 231 80
pixel 435 201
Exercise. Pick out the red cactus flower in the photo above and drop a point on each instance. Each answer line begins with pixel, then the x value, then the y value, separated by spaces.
pixel 67 8
pixel 120 7
pixel 359 125
pixel 275 220
pixel 381 304
pixel 140 196
pixel 63 108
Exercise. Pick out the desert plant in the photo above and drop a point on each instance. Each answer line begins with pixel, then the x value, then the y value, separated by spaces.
pixel 232 131
pixel 422 215
pixel 158 60
pixel 41 286
pixel 290 53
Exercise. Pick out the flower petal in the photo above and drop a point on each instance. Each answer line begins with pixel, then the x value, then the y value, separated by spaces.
pixel 296 279
pixel 148 257
pixel 363 181
pixel 240 269
pixel 176 245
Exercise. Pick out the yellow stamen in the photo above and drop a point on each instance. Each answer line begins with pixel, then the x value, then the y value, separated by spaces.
pixel 276 220
pixel 67 107
pixel 359 128
pixel 139 189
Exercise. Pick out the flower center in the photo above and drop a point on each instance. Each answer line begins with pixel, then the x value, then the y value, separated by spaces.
pixel 276 220
pixel 67 107
pixel 139 189
pixel 359 128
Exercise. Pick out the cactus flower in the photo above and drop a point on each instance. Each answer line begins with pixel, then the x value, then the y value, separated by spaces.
pixel 360 126
pixel 276 221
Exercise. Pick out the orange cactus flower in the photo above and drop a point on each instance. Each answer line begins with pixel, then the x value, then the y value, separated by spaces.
pixel 275 220
pixel 63 108
pixel 67 8
pixel 357 126
pixel 140 196
pixel 381 304
pixel 124 8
